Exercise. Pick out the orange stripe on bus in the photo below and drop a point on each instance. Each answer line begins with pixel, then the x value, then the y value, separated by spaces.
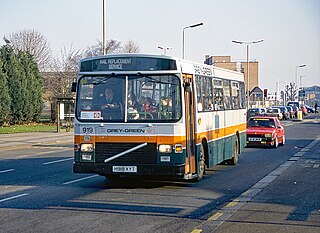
pixel 132 139
pixel 162 139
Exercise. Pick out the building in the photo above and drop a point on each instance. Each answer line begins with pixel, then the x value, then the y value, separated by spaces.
pixel 310 95
pixel 225 62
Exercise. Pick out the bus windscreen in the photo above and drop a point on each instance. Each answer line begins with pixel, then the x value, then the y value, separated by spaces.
pixel 134 98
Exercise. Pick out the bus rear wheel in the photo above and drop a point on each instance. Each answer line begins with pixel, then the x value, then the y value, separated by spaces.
pixel 235 158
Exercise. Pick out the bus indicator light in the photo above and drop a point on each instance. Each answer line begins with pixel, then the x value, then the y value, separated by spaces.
pixel 75 147
pixel 178 149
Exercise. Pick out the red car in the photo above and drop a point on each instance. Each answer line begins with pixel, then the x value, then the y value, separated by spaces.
pixel 265 131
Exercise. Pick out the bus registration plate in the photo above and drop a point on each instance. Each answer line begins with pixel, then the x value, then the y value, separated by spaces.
pixel 132 169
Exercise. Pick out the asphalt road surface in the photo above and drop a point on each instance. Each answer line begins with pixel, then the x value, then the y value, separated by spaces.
pixel 270 190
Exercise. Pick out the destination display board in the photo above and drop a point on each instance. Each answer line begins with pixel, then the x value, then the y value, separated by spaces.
pixel 127 64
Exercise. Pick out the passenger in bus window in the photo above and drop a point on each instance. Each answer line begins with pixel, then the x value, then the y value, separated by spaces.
pixel 152 107
pixel 235 103
pixel 133 107
pixel 227 102
pixel 144 105
pixel 166 107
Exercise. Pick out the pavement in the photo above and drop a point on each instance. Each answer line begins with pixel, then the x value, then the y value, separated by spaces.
pixel 286 200
pixel 26 140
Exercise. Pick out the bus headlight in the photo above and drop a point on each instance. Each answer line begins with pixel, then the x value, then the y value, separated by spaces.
pixel 165 148
pixel 87 147
pixel 268 135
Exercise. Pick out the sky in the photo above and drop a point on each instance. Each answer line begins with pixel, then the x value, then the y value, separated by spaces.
pixel 290 30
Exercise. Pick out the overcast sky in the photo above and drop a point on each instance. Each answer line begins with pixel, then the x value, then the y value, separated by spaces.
pixel 290 29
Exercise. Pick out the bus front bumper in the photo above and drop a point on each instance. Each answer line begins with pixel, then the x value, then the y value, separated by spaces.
pixel 177 171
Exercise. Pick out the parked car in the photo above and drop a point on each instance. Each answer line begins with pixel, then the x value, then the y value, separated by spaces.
pixel 294 103
pixel 310 109
pixel 304 110
pixel 265 131
pixel 256 112
pixel 295 110
pixel 299 106
pixel 274 112
pixel 291 111
pixel 284 111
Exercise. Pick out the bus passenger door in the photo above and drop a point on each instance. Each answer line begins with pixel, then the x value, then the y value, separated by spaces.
pixel 190 127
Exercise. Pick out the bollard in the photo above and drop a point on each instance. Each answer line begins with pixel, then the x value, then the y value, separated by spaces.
pixel 299 115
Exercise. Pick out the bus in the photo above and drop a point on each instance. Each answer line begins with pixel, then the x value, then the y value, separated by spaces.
pixel 167 118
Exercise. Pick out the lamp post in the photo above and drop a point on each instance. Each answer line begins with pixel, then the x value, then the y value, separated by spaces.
pixel 296 78
pixel 248 76
pixel 302 76
pixel 104 27
pixel 191 26
pixel 296 74
pixel 165 49
pixel 277 91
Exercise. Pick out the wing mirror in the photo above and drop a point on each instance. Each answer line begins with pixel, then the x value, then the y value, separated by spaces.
pixel 74 87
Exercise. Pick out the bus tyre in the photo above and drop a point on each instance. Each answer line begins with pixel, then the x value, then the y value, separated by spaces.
pixel 235 158
pixel 202 164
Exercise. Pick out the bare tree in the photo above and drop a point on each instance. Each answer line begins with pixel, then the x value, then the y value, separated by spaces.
pixel 131 47
pixel 63 73
pixel 34 43
pixel 113 46
pixel 291 91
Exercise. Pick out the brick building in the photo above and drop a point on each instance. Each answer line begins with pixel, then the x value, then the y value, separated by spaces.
pixel 225 62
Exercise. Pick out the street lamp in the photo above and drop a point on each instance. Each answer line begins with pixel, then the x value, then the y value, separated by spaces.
pixel 104 27
pixel 296 74
pixel 277 91
pixel 248 76
pixel 301 96
pixel 191 26
pixel 302 76
pixel 165 49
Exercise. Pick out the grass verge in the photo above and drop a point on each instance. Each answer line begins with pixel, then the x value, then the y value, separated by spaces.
pixel 27 128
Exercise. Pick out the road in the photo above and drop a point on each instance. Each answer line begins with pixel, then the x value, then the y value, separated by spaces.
pixel 270 190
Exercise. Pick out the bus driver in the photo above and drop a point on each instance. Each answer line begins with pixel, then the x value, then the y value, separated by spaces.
pixel 111 108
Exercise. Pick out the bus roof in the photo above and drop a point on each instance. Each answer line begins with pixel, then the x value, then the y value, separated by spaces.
pixel 151 62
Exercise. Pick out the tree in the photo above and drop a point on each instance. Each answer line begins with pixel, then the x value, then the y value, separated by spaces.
pixel 33 97
pixel 63 73
pixel 34 43
pixel 291 91
pixel 113 47
pixel 15 82
pixel 23 84
pixel 130 47
pixel 5 100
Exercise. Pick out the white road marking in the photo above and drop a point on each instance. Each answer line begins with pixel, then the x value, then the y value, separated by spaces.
pixel 81 179
pixel 57 161
pixel 9 170
pixel 14 197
